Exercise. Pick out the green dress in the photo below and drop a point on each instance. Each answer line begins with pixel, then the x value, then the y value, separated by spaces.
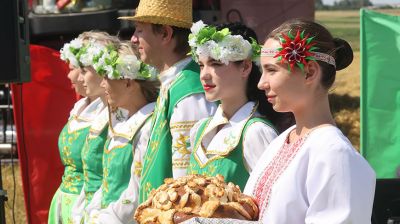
pixel 92 156
pixel 228 160
pixel 158 159
pixel 70 144
pixel 118 154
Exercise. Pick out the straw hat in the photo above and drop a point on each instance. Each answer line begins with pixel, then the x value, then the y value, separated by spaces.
pixel 166 12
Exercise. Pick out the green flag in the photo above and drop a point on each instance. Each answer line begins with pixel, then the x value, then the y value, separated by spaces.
pixel 380 92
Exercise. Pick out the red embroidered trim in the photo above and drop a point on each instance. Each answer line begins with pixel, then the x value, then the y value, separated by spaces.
pixel 272 172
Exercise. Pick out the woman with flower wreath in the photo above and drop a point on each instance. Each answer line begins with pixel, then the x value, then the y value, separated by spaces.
pixel 73 136
pixel 311 172
pixel 230 142
pixel 131 88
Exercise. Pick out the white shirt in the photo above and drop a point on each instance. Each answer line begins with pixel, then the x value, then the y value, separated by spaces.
pixel 324 180
pixel 122 210
pixel 185 114
pixel 256 139
pixel 83 113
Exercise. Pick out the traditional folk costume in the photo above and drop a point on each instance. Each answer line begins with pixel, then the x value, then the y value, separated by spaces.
pixel 319 178
pixel 117 197
pixel 92 159
pixel 70 143
pixel 234 150
pixel 128 136
pixel 180 105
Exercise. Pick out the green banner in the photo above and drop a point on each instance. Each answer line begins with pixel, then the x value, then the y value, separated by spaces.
pixel 380 91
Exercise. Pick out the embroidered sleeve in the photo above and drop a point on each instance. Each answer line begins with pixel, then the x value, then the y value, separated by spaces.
pixel 95 204
pixel 257 138
pixel 77 209
pixel 122 210
pixel 193 131
pixel 186 113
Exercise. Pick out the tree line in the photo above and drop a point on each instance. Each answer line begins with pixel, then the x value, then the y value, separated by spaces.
pixel 343 4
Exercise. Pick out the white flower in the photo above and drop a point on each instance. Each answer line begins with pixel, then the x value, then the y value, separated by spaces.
pixel 153 73
pixel 93 51
pixel 236 48
pixel 76 43
pixel 208 49
pixel 109 71
pixel 74 62
pixel 192 42
pixel 67 55
pixel 197 26
pixel 128 66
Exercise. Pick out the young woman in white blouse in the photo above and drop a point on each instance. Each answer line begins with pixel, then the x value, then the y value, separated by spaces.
pixel 232 140
pixel 311 173
pixel 131 88
pixel 73 136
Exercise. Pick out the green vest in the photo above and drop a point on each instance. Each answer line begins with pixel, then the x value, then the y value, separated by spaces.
pixel 92 159
pixel 230 166
pixel 158 159
pixel 70 145
pixel 117 163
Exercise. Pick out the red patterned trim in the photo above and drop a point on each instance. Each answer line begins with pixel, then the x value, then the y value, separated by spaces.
pixel 273 171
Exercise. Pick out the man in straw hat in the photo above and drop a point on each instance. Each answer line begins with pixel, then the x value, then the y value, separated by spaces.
pixel 162 29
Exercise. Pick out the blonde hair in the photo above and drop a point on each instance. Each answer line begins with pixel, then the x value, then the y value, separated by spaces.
pixel 149 88
pixel 101 37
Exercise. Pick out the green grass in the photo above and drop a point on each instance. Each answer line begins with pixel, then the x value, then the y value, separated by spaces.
pixel 345 93
pixel 342 24
pixel 8 185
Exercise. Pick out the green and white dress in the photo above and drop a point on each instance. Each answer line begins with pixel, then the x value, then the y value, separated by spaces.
pixel 92 159
pixel 117 198
pixel 230 147
pixel 180 105
pixel 70 144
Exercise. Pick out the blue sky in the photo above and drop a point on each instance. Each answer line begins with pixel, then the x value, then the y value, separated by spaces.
pixel 330 2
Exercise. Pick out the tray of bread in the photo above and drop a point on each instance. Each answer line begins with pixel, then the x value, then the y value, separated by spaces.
pixel 181 199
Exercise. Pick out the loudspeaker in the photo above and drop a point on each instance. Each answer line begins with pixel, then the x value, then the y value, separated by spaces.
pixel 14 42
pixel 386 208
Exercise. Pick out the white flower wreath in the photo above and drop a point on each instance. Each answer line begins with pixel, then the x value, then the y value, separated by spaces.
pixel 106 61
pixel 220 45
pixel 70 52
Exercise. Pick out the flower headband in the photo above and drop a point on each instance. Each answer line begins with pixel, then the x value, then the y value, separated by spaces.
pixel 71 52
pixel 107 62
pixel 297 50
pixel 220 45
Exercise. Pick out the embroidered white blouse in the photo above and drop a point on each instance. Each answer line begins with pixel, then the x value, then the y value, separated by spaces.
pixel 185 114
pixel 122 210
pixel 84 113
pixel 320 178
pixel 257 137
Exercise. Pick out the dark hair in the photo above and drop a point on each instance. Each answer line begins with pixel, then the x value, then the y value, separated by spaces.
pixel 181 36
pixel 150 89
pixel 336 47
pixel 280 120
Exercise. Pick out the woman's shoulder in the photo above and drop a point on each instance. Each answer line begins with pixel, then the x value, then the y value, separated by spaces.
pixel 329 143
pixel 259 126
pixel 329 137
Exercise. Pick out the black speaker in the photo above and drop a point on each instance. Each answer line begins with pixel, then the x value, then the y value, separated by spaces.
pixel 386 202
pixel 14 41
